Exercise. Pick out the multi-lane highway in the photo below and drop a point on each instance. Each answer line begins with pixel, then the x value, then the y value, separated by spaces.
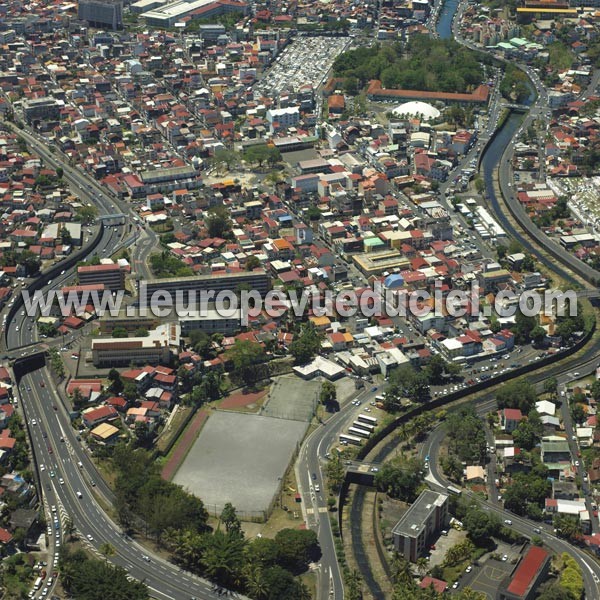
pixel 55 444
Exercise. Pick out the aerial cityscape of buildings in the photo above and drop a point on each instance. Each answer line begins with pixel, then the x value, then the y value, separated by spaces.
pixel 367 199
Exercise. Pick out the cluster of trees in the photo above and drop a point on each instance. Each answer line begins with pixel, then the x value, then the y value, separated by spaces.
pixel 571 578
pixel 306 344
pixel 466 438
pixel 458 553
pixel 559 211
pixel 405 382
pixel 263 568
pixel 217 222
pixel 249 363
pixel 514 85
pixel 424 63
pixel 86 214
pixel 568 527
pixel 518 393
pixel 121 332
pixel 118 386
pixel 527 492
pixel 90 579
pixel 166 265
pixel 261 154
pixel 18 459
pixel 47 329
pixel 400 478
pixel 141 491
pixel 566 326
pixel 28 259
pixel 56 362
pixel 529 431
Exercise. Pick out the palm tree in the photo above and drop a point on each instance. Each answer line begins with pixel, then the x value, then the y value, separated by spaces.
pixel 354 586
pixel 256 585
pixel 224 557
pixel 66 575
pixel 422 565
pixel 401 570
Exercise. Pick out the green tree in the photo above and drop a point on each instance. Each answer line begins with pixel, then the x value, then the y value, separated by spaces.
pixel 335 472
pixel 529 431
pixel 120 332
pixel 116 383
pixel 466 435
pixel 230 519
pixel 400 479
pixel 556 592
pixel 481 525
pixel 306 344
pixel 538 335
pixel 518 393
pixel 217 221
pixel 551 386
pixel 328 393
pixel 247 358
pixel 595 390
pixel 252 263
pixel 107 550
pixel 224 557
pixel 296 548
pixel 353 587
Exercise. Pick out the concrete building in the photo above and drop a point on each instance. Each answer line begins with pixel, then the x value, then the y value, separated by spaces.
pixel 283 118
pixel 169 14
pixel 212 321
pixel 41 109
pixel 421 524
pixel 112 276
pixel 128 321
pixel 251 280
pixel 102 13
pixel 156 348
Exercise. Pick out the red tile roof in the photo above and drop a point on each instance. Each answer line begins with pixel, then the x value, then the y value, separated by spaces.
pixel 527 570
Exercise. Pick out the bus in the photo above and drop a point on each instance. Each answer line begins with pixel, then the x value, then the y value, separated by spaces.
pixel 367 419
pixel 360 432
pixel 37 584
pixel 369 428
pixel 350 439
pixel 454 490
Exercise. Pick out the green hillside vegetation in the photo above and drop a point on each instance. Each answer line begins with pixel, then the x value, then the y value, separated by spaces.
pixel 424 63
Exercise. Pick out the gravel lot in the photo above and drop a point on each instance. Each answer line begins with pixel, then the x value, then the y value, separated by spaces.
pixel 238 458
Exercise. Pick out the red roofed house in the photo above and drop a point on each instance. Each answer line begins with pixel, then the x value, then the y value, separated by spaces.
pixel 438 585
pixel 95 416
pixel 5 536
pixel 523 582
pixel 510 418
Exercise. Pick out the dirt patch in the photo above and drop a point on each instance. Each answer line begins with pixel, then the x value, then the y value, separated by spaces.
pixel 242 400
pixel 183 445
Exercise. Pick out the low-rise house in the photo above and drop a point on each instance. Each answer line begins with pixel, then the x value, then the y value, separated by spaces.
pixel 95 416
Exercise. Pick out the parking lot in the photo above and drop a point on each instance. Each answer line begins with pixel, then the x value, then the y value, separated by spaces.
pixel 306 60
pixel 487 577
